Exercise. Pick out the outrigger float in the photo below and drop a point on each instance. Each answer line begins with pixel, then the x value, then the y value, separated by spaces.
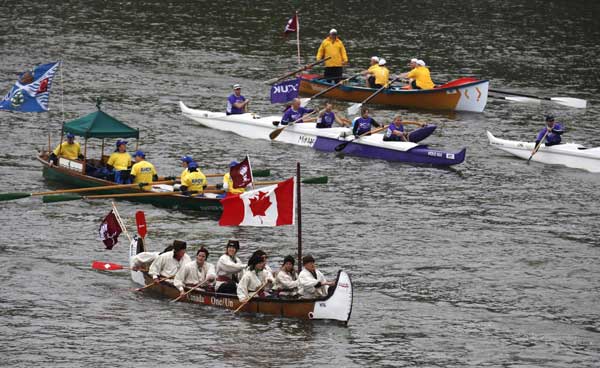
pixel 306 134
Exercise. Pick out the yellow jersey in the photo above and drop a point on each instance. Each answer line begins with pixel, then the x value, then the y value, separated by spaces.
pixel 229 182
pixel 335 50
pixel 120 161
pixel 68 151
pixel 184 173
pixel 421 76
pixel 194 181
pixel 143 172
pixel 382 75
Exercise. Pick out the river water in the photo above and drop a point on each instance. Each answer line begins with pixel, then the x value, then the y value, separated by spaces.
pixel 493 263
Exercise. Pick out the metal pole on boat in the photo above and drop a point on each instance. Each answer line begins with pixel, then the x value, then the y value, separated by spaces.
pixel 298 37
pixel 299 216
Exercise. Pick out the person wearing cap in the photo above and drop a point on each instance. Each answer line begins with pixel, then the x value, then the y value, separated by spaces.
pixel 552 131
pixel 194 181
pixel 228 182
pixel 334 48
pixel 185 161
pixel 363 123
pixel 381 74
pixel 229 269
pixel 196 273
pixel 369 73
pixel 70 150
pixel 419 77
pixel 286 280
pixel 167 264
pixel 295 113
pixel 143 171
pixel 312 283
pixel 236 103
pixel 327 117
pixel 120 161
pixel 255 277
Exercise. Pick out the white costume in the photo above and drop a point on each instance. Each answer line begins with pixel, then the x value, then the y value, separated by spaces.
pixel 191 275
pixel 286 283
pixel 252 281
pixel 166 265
pixel 226 268
pixel 308 281
pixel 143 260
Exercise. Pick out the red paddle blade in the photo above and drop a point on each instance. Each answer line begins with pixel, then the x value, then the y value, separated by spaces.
pixel 106 266
pixel 140 221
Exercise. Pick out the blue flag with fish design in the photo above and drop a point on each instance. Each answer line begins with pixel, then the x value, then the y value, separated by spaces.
pixel 31 92
pixel 285 91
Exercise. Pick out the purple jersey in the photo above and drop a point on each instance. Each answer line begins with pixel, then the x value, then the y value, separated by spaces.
pixel 363 125
pixel 390 130
pixel 553 136
pixel 326 121
pixel 232 100
pixel 291 115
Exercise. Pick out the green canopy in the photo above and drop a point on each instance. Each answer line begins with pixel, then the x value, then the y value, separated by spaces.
pixel 100 125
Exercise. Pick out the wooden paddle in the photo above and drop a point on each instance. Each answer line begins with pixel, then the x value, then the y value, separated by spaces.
pixel 67 197
pixel 353 110
pixel 306 67
pixel 157 281
pixel 521 97
pixel 11 196
pixel 305 101
pixel 250 297
pixel 189 291
pixel 315 180
pixel 341 146
pixel 537 147
pixel 274 134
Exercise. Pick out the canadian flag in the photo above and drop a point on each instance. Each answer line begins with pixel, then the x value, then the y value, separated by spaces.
pixel 273 205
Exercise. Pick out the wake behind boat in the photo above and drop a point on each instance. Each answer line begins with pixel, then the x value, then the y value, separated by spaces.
pixel 306 134
pixel 567 154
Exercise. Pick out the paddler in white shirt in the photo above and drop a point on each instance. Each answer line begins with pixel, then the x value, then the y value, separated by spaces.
pixel 286 281
pixel 166 265
pixel 194 274
pixel 255 278
pixel 229 269
pixel 313 283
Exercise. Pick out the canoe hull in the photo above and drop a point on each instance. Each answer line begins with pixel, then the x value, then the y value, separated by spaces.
pixel 74 179
pixel 567 154
pixel 470 96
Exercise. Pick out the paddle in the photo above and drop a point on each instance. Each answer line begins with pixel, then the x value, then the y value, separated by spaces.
pixel 306 67
pixel 341 146
pixel 305 101
pixel 11 196
pixel 189 291
pixel 107 266
pixel 274 134
pixel 353 110
pixel 157 281
pixel 537 147
pixel 74 197
pixel 315 180
pixel 250 297
pixel 140 222
pixel 565 101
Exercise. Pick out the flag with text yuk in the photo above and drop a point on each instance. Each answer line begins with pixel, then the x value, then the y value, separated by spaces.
pixel 31 92
pixel 285 91
pixel 273 205
pixel 241 174
pixel 110 229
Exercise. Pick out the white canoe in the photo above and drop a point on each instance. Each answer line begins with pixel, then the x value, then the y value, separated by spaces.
pixel 567 154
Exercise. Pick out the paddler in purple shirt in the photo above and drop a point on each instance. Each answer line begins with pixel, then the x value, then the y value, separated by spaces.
pixel 296 112
pixel 327 117
pixel 236 103
pixel 362 124
pixel 395 131
pixel 554 130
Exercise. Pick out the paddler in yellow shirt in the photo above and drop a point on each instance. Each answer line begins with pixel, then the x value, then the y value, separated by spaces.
pixel 369 74
pixel 70 150
pixel 381 74
pixel 195 181
pixel 119 161
pixel 185 161
pixel 228 182
pixel 333 47
pixel 143 171
pixel 419 76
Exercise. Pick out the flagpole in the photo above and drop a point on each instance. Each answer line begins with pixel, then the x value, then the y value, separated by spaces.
pixel 299 216
pixel 298 37
pixel 120 221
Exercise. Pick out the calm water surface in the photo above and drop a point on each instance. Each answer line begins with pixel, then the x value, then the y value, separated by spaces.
pixel 493 263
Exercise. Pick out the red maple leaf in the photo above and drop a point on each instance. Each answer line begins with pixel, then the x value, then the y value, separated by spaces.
pixel 260 205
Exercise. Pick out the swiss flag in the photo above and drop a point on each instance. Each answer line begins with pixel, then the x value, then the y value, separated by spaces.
pixel 241 174
pixel 268 206
pixel 292 25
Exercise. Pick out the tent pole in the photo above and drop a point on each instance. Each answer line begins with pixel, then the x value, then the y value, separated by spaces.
pixel 102 152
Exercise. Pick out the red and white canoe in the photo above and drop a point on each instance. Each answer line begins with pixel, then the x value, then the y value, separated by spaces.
pixel 463 94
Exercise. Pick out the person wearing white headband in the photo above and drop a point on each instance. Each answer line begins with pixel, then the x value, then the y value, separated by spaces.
pixel 370 73
pixel 419 77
